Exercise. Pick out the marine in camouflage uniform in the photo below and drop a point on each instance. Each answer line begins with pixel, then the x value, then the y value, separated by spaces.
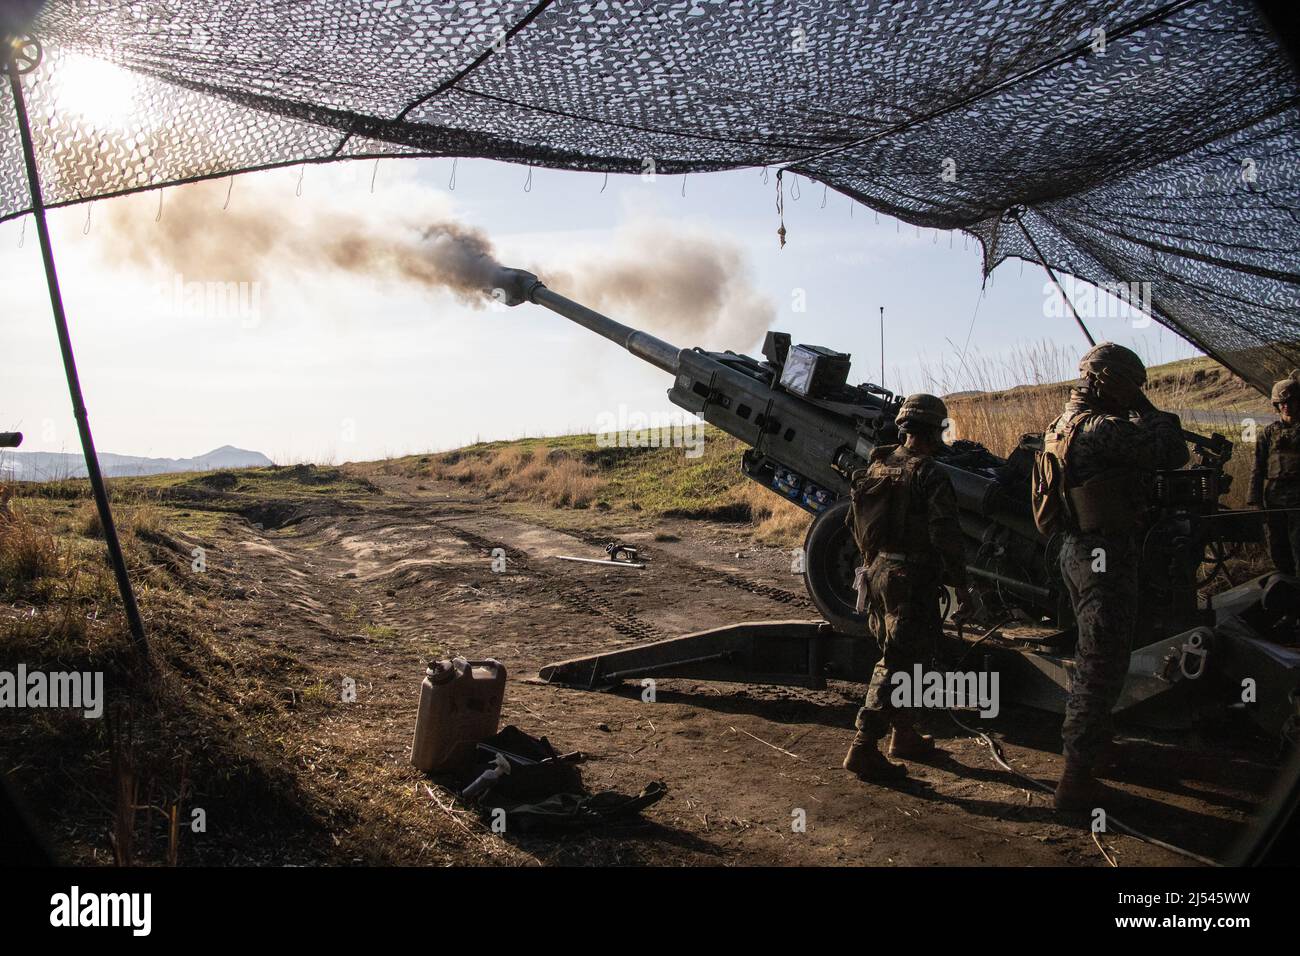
pixel 1119 438
pixel 1275 479
pixel 924 549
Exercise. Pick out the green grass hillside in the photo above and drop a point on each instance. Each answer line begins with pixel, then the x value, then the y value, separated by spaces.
pixel 575 472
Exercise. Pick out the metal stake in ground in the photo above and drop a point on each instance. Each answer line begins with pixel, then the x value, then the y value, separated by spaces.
pixel 22 55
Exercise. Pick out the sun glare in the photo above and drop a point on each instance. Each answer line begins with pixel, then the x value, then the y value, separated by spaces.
pixel 102 93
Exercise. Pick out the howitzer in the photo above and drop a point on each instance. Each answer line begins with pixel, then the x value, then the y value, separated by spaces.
pixel 808 430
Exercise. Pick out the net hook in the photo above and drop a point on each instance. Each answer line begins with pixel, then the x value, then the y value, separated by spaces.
pixel 780 207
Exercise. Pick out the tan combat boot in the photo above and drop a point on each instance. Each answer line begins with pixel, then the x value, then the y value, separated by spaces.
pixel 866 761
pixel 1078 788
pixel 906 744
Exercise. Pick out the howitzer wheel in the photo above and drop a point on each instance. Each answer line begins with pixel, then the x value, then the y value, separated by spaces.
pixel 830 556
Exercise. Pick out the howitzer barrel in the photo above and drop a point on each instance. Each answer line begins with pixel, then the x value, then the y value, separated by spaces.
pixel 10 439
pixel 517 286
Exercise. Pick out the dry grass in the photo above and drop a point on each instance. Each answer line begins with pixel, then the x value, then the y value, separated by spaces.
pixel 776 521
pixel 29 553
pixel 575 472
pixel 1043 363
pixel 142 518
pixel 998 420
pixel 522 473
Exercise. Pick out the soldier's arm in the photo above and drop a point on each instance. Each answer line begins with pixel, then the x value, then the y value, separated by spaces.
pixel 1150 442
pixel 943 525
pixel 1164 431
pixel 1255 496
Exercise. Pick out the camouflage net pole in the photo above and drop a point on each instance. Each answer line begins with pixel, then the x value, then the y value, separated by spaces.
pixel 21 55
pixel 1014 214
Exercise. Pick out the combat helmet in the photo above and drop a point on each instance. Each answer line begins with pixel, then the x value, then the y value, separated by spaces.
pixel 1116 359
pixel 922 409
pixel 1288 388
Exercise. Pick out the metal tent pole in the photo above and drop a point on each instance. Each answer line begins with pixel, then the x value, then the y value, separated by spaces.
pixel 1052 275
pixel 12 47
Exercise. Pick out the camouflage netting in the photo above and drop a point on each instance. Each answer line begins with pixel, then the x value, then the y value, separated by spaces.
pixel 1166 154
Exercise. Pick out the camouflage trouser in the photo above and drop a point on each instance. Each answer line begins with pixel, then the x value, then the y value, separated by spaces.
pixel 905 600
pixel 1105 608
pixel 1283 527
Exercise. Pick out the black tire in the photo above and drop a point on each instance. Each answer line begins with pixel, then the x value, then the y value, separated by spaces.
pixel 830 555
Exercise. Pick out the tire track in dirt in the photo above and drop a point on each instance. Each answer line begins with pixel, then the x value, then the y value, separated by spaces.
pixel 704 571
pixel 580 598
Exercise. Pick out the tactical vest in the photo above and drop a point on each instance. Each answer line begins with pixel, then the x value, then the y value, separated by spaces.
pixel 885 518
pixel 1284 455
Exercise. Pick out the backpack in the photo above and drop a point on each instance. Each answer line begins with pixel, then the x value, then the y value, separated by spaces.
pixel 1047 484
pixel 881 497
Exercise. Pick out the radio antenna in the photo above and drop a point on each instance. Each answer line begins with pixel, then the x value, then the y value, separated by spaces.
pixel 882 346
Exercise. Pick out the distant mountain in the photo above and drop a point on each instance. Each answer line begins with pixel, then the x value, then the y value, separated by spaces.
pixel 48 466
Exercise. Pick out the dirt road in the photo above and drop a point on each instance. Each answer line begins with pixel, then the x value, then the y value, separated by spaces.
pixel 372 594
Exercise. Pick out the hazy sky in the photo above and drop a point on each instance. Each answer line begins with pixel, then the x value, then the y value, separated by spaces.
pixel 327 366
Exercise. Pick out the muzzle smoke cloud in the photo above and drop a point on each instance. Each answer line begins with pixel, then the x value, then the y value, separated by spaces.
pixel 673 282
pixel 256 239
pixel 689 287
